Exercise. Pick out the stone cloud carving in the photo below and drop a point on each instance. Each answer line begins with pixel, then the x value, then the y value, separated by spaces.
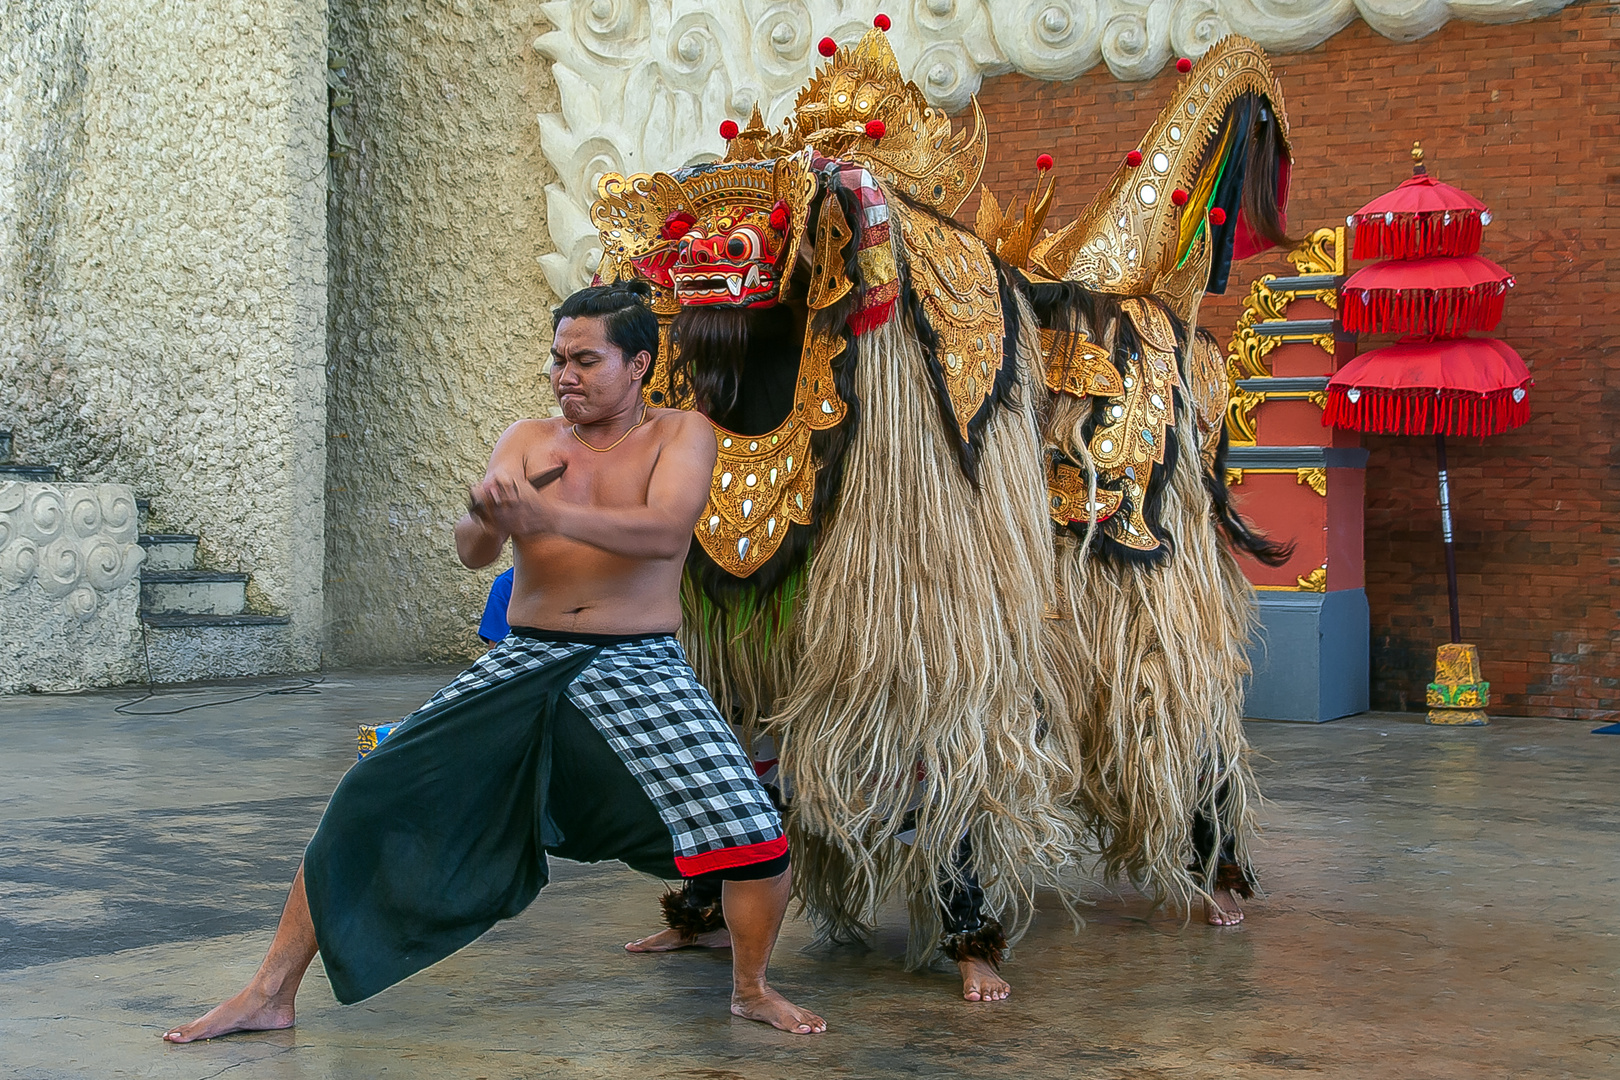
pixel 645 83
pixel 75 542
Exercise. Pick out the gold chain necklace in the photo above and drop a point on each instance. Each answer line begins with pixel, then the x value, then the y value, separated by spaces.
pixel 604 449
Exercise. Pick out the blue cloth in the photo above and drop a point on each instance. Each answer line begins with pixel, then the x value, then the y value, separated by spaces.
pixel 493 628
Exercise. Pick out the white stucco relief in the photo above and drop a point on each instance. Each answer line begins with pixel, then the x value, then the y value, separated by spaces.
pixel 644 84
pixel 68 586
pixel 76 543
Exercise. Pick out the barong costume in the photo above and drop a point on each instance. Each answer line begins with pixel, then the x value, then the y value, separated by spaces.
pixel 588 747
pixel 967 554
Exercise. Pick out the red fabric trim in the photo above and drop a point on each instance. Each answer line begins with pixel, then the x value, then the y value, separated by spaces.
pixel 1417 235
pixel 1440 312
pixel 1421 411
pixel 726 858
pixel 879 306
pixel 763 767
pixel 871 318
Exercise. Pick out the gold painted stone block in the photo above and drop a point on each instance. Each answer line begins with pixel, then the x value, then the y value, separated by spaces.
pixel 1458 695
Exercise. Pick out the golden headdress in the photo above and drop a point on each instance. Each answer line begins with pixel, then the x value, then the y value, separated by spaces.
pixel 861 108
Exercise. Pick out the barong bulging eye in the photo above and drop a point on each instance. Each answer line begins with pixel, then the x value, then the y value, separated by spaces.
pixel 745 245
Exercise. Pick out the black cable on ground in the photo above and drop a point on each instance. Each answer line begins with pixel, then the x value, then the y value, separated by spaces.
pixel 306 686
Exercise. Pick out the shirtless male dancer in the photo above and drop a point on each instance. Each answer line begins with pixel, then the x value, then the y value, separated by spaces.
pixel 584 733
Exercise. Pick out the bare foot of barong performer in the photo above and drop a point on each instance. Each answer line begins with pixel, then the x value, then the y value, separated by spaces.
pixel 583 734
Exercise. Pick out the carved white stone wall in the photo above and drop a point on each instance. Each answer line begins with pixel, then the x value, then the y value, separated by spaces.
pixel 645 83
pixel 69 595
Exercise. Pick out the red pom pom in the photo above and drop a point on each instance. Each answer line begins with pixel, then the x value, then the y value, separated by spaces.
pixel 1134 158
pixel 875 129
pixel 1184 65
pixel 677 225
pixel 728 129
pixel 1217 216
pixel 1179 197
pixel 882 23
pixel 827 47
pixel 779 216
pixel 1043 162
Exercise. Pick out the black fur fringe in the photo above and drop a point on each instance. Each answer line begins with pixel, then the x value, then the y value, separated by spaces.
pixel 688 917
pixel 1230 875
pixel 987 943
pixel 1271 552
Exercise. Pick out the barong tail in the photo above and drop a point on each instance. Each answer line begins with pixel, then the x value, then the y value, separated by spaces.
pixel 589 748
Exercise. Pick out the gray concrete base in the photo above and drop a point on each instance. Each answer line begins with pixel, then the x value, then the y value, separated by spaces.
pixel 198 592
pixel 193 653
pixel 1311 657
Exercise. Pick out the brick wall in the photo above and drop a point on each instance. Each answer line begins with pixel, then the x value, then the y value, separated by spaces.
pixel 1524 117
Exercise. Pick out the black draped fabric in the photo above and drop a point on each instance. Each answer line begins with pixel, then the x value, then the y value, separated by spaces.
pixel 442 830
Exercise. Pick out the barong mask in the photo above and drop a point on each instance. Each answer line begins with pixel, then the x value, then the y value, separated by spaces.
pixel 719 243
pixel 721 234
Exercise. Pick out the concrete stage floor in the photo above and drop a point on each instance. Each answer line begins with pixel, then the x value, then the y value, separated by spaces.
pixel 1442 904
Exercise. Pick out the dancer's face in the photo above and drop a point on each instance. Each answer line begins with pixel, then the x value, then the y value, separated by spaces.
pixel 591 376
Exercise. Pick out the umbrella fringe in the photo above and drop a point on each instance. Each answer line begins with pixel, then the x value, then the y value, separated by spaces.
pixel 1440 312
pixel 1418 235
pixel 1420 411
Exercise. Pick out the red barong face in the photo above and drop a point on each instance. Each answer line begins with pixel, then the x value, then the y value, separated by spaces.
pixel 729 261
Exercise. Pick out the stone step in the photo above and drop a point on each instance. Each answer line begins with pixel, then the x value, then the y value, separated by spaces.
pixel 170 551
pixel 192 592
pixel 188 648
pixel 172 621
pixel 37 474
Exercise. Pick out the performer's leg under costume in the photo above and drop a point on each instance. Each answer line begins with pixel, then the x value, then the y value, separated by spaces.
pixel 968 932
pixel 589 748
pixel 1215 859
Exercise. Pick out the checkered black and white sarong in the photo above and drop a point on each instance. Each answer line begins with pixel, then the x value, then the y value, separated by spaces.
pixel 646 701
pixel 586 749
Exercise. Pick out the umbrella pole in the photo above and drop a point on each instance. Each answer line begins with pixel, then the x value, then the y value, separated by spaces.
pixel 1445 532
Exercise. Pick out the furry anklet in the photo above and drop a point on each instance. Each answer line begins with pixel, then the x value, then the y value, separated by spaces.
pixel 1232 876
pixel 987 943
pixel 689 918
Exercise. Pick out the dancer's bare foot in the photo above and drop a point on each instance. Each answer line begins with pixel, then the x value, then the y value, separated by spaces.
pixel 1223 909
pixel 668 940
pixel 249 1010
pixel 980 981
pixel 769 1007
pixel 266 1003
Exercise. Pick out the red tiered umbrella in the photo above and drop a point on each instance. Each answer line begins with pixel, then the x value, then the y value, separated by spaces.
pixel 1444 295
pixel 1454 386
pixel 1433 286
pixel 1421 217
